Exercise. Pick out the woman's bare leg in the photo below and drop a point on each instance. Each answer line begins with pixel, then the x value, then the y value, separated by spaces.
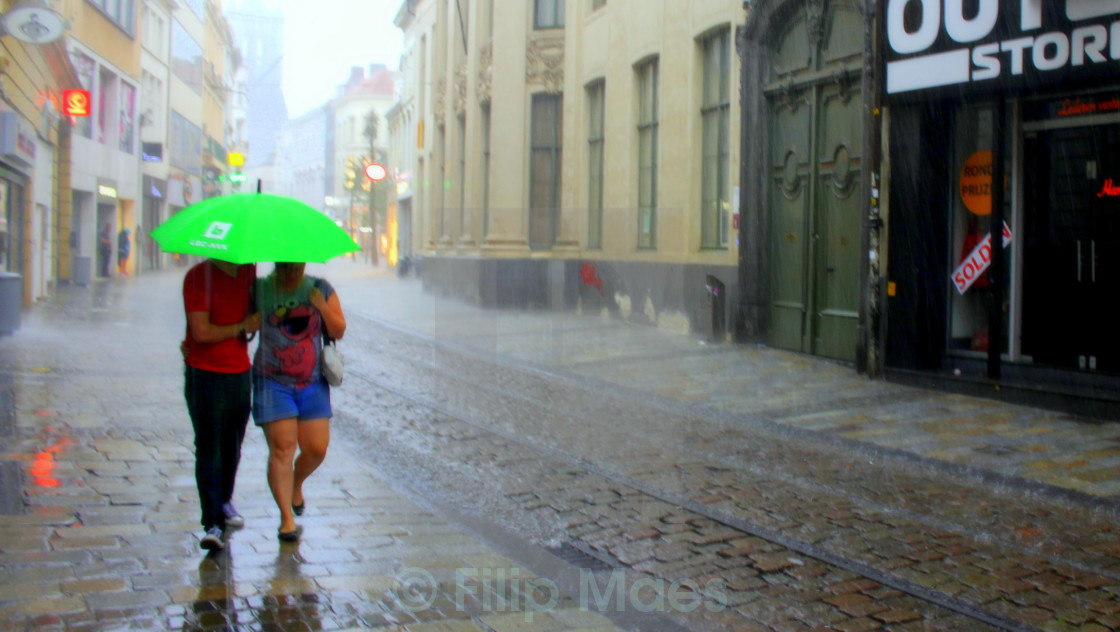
pixel 283 438
pixel 314 436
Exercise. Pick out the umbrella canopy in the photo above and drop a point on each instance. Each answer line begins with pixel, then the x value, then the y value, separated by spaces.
pixel 254 227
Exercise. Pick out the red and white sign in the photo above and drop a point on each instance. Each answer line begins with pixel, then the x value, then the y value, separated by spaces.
pixel 977 261
pixel 376 172
pixel 76 103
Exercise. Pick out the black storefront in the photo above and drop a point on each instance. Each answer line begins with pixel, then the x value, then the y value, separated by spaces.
pixel 1026 94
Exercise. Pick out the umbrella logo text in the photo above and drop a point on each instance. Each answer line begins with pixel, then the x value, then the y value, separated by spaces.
pixel 217 230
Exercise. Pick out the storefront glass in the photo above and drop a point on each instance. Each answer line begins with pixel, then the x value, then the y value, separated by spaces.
pixel 971 300
pixel 1071 208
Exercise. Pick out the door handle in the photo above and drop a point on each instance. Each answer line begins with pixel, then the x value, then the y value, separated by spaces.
pixel 1093 261
pixel 1079 261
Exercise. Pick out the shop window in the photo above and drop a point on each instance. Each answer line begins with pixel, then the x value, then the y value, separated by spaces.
pixel 120 12
pixel 549 14
pixel 648 124
pixel 461 133
pixel 86 69
pixel 106 107
pixel 127 118
pixel 486 169
pixel 715 116
pixel 186 57
pixel 595 141
pixel 971 302
pixel 544 168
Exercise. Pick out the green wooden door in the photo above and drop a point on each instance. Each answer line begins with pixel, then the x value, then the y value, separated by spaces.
pixel 815 160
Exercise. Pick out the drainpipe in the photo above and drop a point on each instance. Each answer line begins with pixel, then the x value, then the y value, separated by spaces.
pixel 740 332
pixel 872 328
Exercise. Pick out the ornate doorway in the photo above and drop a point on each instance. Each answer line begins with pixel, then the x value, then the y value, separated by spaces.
pixel 813 167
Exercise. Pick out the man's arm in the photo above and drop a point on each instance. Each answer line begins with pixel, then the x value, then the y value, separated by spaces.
pixel 202 330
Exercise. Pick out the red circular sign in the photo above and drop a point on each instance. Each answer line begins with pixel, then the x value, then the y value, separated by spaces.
pixel 376 172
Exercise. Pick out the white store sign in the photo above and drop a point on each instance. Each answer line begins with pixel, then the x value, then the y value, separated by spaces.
pixel 934 44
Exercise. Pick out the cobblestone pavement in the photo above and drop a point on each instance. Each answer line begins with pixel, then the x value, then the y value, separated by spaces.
pixel 99 515
pixel 684 491
pixel 757 383
pixel 795 534
pixel 717 487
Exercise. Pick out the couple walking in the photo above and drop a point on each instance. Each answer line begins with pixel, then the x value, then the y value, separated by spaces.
pixel 226 305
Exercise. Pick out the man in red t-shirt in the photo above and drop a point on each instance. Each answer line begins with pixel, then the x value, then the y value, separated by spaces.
pixel 220 321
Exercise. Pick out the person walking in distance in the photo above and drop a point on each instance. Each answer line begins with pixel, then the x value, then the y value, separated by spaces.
pixel 124 249
pixel 104 249
pixel 291 398
pixel 220 323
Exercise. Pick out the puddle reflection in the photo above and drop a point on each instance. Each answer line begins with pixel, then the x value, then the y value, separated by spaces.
pixel 290 600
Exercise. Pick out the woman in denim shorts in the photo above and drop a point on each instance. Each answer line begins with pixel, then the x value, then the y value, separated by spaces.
pixel 291 398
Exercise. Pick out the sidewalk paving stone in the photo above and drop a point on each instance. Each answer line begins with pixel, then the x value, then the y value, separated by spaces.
pixel 108 533
pixel 128 473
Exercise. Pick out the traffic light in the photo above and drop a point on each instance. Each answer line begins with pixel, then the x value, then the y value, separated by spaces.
pixel 350 174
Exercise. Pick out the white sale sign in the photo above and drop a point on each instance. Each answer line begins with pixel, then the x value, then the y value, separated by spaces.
pixel 977 261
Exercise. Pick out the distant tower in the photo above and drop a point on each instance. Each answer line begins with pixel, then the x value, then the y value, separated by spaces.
pixel 258 30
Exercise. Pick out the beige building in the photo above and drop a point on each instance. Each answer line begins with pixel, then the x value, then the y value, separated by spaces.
pixel 155 69
pixel 217 41
pixel 35 148
pixel 575 154
pixel 150 77
pixel 105 50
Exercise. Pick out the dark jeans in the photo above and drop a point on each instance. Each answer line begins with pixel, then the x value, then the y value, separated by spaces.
pixel 103 257
pixel 219 407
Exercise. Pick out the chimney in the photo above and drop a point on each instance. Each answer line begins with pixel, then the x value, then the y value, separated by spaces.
pixel 355 75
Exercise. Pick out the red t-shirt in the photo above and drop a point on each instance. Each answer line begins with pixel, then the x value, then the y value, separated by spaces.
pixel 207 289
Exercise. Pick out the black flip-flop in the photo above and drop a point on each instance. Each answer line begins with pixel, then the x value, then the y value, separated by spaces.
pixel 298 509
pixel 290 536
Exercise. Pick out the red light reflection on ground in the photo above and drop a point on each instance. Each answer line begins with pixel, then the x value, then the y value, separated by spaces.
pixel 43 469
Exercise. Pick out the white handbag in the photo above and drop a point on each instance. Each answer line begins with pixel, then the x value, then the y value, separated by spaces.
pixel 333 363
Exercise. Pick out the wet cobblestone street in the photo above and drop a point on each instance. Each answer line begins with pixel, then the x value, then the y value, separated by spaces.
pixel 487 465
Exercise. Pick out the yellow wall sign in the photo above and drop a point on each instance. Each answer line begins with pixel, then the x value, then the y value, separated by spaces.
pixel 235 158
pixel 976 183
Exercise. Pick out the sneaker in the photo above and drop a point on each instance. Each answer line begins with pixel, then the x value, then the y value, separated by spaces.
pixel 212 540
pixel 233 519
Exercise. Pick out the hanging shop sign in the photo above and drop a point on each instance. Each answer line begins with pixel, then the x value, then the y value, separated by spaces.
pixel 937 44
pixel 76 103
pixel 33 24
pixel 978 261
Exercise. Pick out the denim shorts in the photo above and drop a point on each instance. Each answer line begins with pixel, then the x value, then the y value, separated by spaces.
pixel 273 401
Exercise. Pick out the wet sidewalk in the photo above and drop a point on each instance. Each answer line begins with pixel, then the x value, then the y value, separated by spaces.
pixel 1006 443
pixel 99 512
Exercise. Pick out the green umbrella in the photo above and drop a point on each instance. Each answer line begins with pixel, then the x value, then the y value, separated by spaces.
pixel 254 227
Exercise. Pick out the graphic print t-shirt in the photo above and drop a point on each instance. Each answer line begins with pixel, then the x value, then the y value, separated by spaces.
pixel 291 332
